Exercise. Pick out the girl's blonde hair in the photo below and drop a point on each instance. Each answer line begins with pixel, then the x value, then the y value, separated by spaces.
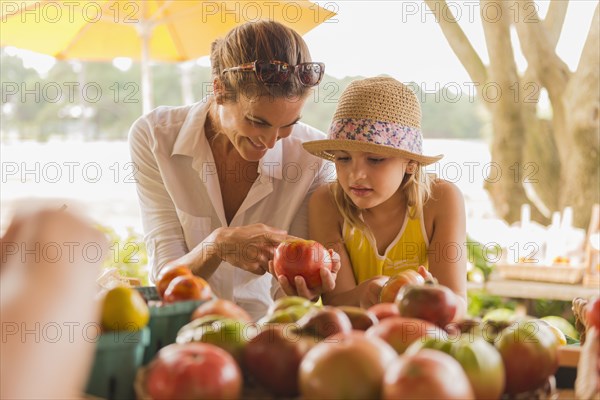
pixel 261 40
pixel 416 186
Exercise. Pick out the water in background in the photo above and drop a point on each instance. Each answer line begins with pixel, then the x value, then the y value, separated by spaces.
pixel 100 176
pixel 97 174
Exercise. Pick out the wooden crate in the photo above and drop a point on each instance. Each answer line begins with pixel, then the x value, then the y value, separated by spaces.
pixel 542 273
pixel 591 280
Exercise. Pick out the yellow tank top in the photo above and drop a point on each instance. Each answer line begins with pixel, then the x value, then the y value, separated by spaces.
pixel 407 251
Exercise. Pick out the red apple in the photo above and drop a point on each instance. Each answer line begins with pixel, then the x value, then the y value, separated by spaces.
pixel 483 365
pixel 287 315
pixel 467 326
pixel 167 274
pixel 192 331
pixel 480 360
pixel 428 374
pixel 384 310
pixel 390 290
pixel 345 366
pixel 529 351
pixel 193 371
pixel 360 318
pixel 273 358
pixel 224 308
pixel 440 343
pixel 288 301
pixel 299 257
pixel 401 332
pixel 187 287
pixel 431 302
pixel 323 322
pixel 229 334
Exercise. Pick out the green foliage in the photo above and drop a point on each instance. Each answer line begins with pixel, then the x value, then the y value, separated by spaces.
pixel 544 307
pixel 112 100
pixel 127 254
pixel 480 256
pixel 450 115
pixel 479 303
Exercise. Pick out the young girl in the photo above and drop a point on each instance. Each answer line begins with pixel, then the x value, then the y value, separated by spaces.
pixel 384 213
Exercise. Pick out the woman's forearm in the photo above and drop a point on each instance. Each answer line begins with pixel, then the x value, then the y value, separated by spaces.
pixel 204 259
pixel 248 247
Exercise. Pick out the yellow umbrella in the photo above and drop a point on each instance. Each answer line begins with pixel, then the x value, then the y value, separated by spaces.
pixel 165 30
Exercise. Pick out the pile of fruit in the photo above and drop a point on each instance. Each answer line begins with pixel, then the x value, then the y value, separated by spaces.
pixel 180 284
pixel 405 347
pixel 125 309
pixel 136 323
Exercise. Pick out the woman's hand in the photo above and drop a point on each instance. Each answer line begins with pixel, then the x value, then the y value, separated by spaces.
pixel 247 247
pixel 299 288
pixel 370 290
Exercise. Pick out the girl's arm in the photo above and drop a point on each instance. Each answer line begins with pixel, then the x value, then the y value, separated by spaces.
pixel 325 226
pixel 447 252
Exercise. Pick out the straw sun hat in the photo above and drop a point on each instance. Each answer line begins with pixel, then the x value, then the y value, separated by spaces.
pixel 376 115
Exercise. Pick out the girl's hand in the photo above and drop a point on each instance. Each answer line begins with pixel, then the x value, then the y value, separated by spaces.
pixel 247 247
pixel 299 288
pixel 426 274
pixel 370 290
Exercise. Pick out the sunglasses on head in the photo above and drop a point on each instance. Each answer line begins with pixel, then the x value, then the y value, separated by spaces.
pixel 278 72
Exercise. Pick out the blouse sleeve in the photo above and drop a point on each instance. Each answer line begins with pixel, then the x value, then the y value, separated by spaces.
pixel 163 232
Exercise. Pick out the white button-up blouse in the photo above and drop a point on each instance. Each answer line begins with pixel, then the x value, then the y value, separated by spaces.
pixel 181 202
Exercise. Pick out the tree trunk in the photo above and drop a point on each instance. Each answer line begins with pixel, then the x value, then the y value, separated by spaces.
pixel 507 116
pixel 541 165
pixel 582 134
pixel 551 163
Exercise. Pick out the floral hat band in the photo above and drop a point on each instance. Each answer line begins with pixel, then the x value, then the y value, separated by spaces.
pixel 377 115
pixel 382 133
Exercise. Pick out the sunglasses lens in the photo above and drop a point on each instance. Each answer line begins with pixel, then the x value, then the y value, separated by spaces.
pixel 310 74
pixel 272 73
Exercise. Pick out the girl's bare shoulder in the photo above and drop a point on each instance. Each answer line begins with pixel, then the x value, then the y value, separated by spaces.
pixel 445 197
pixel 323 196
pixel 323 203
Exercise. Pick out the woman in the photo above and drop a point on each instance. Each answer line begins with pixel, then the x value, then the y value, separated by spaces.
pixel 222 182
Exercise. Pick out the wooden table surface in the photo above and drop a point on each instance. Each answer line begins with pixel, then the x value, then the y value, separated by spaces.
pixel 533 290
pixel 566 394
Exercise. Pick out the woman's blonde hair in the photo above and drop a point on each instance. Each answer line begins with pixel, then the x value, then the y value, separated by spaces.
pixel 262 40
pixel 416 186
